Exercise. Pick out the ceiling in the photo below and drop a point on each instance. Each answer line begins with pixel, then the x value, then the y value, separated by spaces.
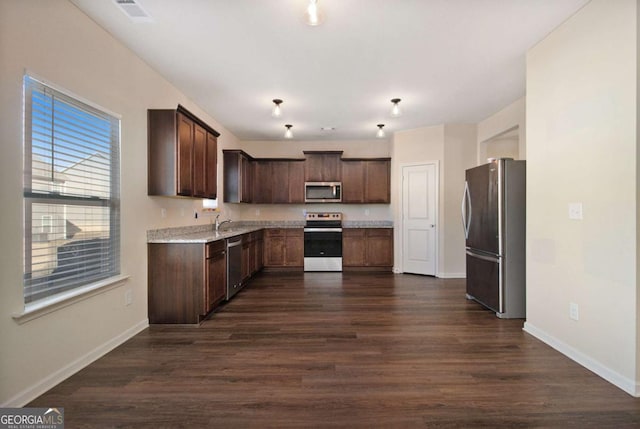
pixel 450 61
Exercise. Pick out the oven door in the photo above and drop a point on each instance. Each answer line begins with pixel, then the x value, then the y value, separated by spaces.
pixel 323 249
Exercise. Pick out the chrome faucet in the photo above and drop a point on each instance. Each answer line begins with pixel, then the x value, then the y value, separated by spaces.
pixel 219 224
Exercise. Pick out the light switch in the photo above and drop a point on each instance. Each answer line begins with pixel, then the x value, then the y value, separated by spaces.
pixel 575 211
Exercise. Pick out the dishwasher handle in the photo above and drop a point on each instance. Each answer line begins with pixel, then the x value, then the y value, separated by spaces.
pixel 234 242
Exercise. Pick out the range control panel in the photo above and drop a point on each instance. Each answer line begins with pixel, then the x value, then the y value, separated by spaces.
pixel 324 216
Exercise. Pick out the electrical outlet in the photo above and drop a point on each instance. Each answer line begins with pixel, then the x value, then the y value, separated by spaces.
pixel 366 212
pixel 257 212
pixel 573 311
pixel 163 213
pixel 575 211
pixel 128 297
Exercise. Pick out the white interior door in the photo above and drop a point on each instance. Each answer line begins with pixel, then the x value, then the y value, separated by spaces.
pixel 419 211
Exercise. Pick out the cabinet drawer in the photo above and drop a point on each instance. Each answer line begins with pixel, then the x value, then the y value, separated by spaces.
pixel 214 248
pixel 379 232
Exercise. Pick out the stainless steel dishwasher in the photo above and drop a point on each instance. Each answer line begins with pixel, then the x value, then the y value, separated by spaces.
pixel 234 264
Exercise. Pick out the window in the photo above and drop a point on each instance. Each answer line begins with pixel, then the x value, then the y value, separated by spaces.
pixel 71 192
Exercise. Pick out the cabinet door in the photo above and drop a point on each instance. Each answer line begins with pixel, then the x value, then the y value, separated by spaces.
pixel 377 187
pixel 216 278
pixel 245 268
pixel 322 167
pixel 274 247
pixel 313 168
pixel 185 156
pixel 379 247
pixel 246 179
pixel 353 247
pixel 296 182
pixel 279 182
pixel 294 248
pixel 211 167
pixel 199 161
pixel 353 173
pixel 259 253
pixel 263 182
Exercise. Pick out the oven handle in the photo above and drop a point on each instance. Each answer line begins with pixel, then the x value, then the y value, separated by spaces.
pixel 323 230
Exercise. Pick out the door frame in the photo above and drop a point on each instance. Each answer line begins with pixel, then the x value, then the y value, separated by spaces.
pixel 436 164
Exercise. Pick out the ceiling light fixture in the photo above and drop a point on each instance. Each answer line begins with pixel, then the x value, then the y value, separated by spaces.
pixel 395 110
pixel 276 112
pixel 380 133
pixel 313 16
pixel 288 134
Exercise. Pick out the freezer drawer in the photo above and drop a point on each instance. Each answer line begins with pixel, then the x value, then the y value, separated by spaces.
pixel 484 280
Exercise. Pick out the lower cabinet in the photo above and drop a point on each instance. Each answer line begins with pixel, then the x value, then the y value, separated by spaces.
pixel 252 252
pixel 186 280
pixel 367 249
pixel 216 274
pixel 284 248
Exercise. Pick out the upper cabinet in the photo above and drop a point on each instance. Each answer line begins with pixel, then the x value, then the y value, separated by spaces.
pixel 281 180
pixel 182 154
pixel 238 177
pixel 322 166
pixel 366 180
pixel 262 181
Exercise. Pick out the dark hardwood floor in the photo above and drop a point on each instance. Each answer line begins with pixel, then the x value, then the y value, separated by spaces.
pixel 342 350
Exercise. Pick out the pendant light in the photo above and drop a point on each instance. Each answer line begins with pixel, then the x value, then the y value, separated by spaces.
pixel 380 133
pixel 276 112
pixel 312 15
pixel 395 110
pixel 288 134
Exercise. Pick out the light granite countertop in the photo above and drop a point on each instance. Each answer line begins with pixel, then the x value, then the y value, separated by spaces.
pixel 206 234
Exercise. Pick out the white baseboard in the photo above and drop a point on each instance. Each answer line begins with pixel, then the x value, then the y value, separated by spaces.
pixel 628 385
pixel 452 275
pixel 32 392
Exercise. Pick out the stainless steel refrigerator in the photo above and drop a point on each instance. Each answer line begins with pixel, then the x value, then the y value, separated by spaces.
pixel 493 216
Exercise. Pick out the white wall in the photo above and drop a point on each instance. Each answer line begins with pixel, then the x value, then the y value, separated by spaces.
pixel 459 155
pixel 60 44
pixel 582 147
pixel 453 147
pixel 511 118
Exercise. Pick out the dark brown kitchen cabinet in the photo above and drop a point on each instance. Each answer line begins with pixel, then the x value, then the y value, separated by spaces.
pixel 245 266
pixel 377 181
pixel 353 247
pixel 182 154
pixel 296 181
pixel 287 179
pixel 353 172
pixel 258 251
pixel 283 248
pixel 322 166
pixel 216 275
pixel 366 180
pixel 238 177
pixel 186 281
pixel 211 174
pixel 254 251
pixel 369 249
pixel 264 182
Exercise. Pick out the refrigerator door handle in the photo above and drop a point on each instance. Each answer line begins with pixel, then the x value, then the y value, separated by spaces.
pixel 483 257
pixel 466 215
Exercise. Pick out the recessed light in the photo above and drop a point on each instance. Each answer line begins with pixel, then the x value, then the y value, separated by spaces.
pixel 327 128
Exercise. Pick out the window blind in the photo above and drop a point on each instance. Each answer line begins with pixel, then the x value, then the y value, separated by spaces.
pixel 71 192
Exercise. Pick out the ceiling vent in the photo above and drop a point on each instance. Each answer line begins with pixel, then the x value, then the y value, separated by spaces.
pixel 133 10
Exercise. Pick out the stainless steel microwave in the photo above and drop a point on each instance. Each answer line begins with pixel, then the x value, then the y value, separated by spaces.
pixel 322 192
